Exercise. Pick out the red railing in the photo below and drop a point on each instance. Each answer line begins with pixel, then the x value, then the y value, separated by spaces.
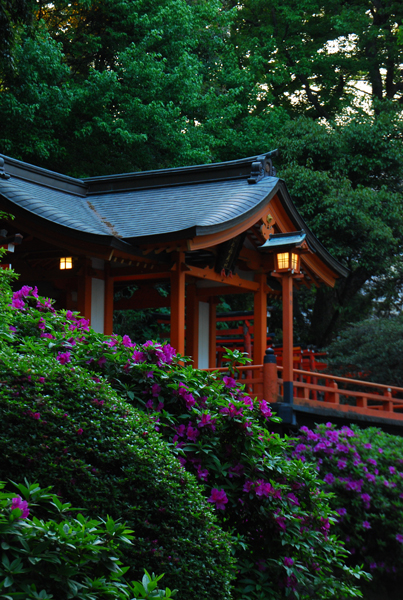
pixel 323 391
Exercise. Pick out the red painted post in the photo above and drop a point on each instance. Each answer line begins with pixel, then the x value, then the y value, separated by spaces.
pixel 388 404
pixel 270 379
pixel 333 396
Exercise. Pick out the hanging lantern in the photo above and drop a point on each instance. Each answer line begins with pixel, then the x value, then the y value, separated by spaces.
pixel 287 261
pixel 66 262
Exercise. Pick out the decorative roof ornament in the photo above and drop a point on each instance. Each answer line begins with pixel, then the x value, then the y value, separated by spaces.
pixel 3 174
pixel 263 167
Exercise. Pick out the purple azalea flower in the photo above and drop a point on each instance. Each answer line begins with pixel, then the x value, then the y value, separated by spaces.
pixel 341 511
pixel 192 433
pixel 288 562
pixel 366 525
pixel 63 357
pixel 22 505
pixel 293 499
pixel 80 431
pixel 229 381
pixel 126 341
pixel 138 357
pixel 341 464
pixel 399 538
pixel 206 421
pixel 219 498
pixel 265 409
pixel 329 478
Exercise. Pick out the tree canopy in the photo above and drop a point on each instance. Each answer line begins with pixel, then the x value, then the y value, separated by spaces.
pixel 92 87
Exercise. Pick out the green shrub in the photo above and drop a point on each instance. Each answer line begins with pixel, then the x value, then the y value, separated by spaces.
pixel 65 427
pixel 57 556
pixel 280 523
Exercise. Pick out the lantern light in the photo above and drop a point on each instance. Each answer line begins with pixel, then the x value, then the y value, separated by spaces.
pixel 287 261
pixel 66 262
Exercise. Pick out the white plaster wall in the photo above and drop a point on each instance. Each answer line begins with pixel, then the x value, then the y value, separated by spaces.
pixel 204 310
pixel 98 304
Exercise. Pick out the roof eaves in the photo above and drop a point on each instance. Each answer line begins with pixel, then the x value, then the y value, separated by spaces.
pixel 40 176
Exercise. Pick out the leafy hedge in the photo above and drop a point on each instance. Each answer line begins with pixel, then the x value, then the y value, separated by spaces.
pixel 61 555
pixel 62 421
pixel 364 471
pixel 64 427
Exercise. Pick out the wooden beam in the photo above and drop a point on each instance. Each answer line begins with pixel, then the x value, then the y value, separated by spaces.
pixel 206 241
pixel 192 324
pixel 108 305
pixel 212 340
pixel 178 304
pixel 142 276
pixel 211 275
pixel 288 343
pixel 84 290
pixel 260 320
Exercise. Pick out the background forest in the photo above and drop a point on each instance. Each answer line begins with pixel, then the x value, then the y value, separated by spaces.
pixel 91 87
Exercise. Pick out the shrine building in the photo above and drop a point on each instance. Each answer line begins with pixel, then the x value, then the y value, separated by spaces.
pixel 206 230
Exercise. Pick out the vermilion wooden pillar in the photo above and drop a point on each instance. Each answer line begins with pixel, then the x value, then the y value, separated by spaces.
pixel 288 341
pixel 108 310
pixel 192 324
pixel 178 304
pixel 260 320
pixel 212 339
pixel 84 290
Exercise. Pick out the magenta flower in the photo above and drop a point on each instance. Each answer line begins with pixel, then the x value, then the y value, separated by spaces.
pixel 22 505
pixel 126 341
pixel 192 433
pixel 288 562
pixel 219 498
pixel 366 525
pixel 80 431
pixel 265 409
pixel 399 538
pixel 102 361
pixel 229 381
pixel 63 357
pixel 329 478
pixel 155 390
pixel 341 511
pixel 206 421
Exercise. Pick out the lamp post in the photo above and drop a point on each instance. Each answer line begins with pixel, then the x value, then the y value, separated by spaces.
pixel 286 248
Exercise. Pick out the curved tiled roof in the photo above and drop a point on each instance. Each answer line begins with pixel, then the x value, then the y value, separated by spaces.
pixel 130 208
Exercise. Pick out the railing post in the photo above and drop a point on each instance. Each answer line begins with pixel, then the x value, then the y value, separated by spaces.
pixel 388 404
pixel 333 396
pixel 270 379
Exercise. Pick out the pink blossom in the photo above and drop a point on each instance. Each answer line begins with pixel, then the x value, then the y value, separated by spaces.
pixel 366 525
pixel 126 341
pixel 192 433
pixel 80 431
pixel 207 421
pixel 399 538
pixel 229 381
pixel 22 505
pixel 288 562
pixel 63 357
pixel 219 498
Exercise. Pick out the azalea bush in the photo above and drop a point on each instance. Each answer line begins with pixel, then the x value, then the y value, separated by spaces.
pixel 89 413
pixel 364 471
pixel 64 426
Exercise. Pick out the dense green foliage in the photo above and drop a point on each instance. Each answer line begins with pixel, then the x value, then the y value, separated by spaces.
pixel 62 422
pixel 61 554
pixel 364 471
pixel 372 350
